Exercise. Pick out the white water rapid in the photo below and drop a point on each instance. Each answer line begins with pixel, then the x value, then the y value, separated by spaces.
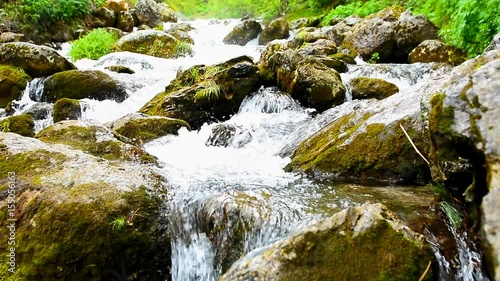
pixel 239 192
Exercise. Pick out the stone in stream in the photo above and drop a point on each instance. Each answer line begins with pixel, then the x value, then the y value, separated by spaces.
pixel 40 110
pixel 141 128
pixel 81 217
pixel 153 43
pixel 80 84
pixel 359 243
pixel 436 51
pixel 13 81
pixel 20 124
pixel 203 94
pixel 276 29
pixel 36 61
pixel 243 33
pixel 305 77
pixel 465 139
pixel 228 135
pixel 66 109
pixel 366 88
pixel 93 139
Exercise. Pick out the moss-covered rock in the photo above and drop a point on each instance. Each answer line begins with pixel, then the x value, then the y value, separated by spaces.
pixel 243 33
pixel 66 109
pixel 13 81
pixel 436 51
pixel 81 218
pixel 151 13
pixel 150 42
pixel 20 124
pixel 180 31
pixel 359 243
pixel 367 88
pixel 80 84
pixel 125 21
pixel 93 139
pixel 141 128
pixel 463 128
pixel 36 61
pixel 276 29
pixel 117 5
pixel 411 30
pixel 320 47
pixel 120 69
pixel 206 93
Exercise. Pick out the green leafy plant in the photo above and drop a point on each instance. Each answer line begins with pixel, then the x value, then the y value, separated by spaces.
pixel 94 45
pixel 446 204
pixel 118 223
pixel 374 58
pixel 210 91
pixel 183 48
pixel 5 126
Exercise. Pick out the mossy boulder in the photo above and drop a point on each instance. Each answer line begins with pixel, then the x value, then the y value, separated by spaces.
pixel 463 128
pixel 306 35
pixel 66 109
pixel 13 81
pixel 372 127
pixel 436 51
pixel 40 110
pixel 150 42
pixel 117 6
pixel 20 124
pixel 151 13
pixel 81 84
pixel 206 93
pixel 94 139
pixel 367 88
pixel 80 218
pixel 180 31
pixel 320 47
pixel 125 21
pixel 411 30
pixel 359 243
pixel 306 78
pixel 276 29
pixel 243 33
pixel 36 61
pixel 141 128
pixel 104 17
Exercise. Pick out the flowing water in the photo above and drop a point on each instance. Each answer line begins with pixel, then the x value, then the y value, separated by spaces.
pixel 226 201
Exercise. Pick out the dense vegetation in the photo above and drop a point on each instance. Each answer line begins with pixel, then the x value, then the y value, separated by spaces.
pixel 467 24
pixel 94 45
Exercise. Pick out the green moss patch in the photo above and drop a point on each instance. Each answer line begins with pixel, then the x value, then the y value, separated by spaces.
pixel 145 129
pixel 20 124
pixel 13 81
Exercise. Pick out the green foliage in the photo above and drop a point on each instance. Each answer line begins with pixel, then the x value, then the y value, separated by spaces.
pixel 453 215
pixel 210 91
pixel 118 223
pixel 374 58
pixel 45 12
pixel 94 45
pixel 358 8
pixel 446 204
pixel 183 49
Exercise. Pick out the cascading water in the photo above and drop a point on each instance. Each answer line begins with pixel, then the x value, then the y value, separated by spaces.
pixel 233 198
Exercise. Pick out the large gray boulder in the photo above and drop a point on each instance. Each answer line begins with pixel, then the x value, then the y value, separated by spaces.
pixel 36 61
pixel 243 33
pixel 150 42
pixel 153 14
pixel 436 51
pixel 494 45
pixel 359 243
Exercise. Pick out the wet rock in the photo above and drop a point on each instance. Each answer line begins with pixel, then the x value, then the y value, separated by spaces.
pixel 125 21
pixel 334 63
pixel 228 135
pixel 277 29
pixel 242 69
pixel 93 216
pixel 13 81
pixel 60 31
pixel 115 31
pixel 6 37
pixel 243 33
pixel 339 30
pixel 141 128
pixel 436 51
pixel 368 234
pixel 305 22
pixel 411 31
pixel 344 58
pixel 367 88
pixel 120 69
pixel 372 126
pixel 180 31
pixel 36 61
pixel 20 124
pixel 67 109
pixel 465 138
pixel 494 45
pixel 306 78
pixel 321 47
pixel 81 84
pixel 117 6
pixel 153 14
pixel 40 110
pixel 105 17
pixel 306 35
pixel 150 42
pixel 205 93
pixel 93 139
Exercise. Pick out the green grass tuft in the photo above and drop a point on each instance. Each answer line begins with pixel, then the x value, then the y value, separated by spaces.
pixel 210 91
pixel 94 45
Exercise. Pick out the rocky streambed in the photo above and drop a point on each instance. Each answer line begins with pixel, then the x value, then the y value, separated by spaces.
pixel 288 160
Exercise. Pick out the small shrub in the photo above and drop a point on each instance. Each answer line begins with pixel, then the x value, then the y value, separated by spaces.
pixel 94 45
pixel 374 58
pixel 183 49
pixel 211 91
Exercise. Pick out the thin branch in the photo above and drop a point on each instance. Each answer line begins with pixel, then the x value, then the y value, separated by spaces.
pixel 425 272
pixel 414 147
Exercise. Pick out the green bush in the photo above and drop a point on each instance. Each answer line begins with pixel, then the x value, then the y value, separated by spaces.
pixel 94 45
pixel 45 12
